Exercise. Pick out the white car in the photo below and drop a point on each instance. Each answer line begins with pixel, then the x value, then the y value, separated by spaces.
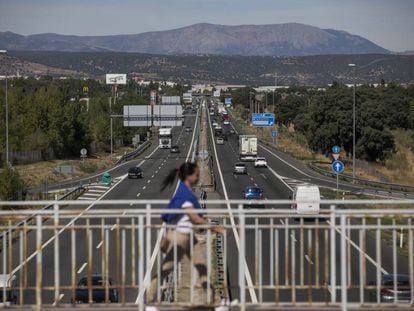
pixel 260 162
pixel 215 124
pixel 220 141
pixel 226 122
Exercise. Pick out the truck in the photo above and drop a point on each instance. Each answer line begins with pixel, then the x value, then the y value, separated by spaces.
pixel 220 108
pixel 247 147
pixel 165 137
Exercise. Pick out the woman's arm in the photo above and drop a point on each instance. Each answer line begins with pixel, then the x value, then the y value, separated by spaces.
pixel 197 219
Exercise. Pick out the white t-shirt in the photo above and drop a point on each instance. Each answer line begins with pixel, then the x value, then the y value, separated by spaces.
pixel 184 225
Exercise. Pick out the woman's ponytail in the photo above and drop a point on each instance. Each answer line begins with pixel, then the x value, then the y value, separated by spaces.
pixel 169 179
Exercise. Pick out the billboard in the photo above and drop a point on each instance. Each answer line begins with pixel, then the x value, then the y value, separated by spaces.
pixel 116 78
pixel 153 97
pixel 168 115
pixel 216 94
pixel 137 115
pixel 171 100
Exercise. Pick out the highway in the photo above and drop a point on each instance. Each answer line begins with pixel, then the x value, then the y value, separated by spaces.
pixel 155 163
pixel 290 256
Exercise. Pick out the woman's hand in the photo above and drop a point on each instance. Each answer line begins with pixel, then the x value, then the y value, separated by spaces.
pixel 219 229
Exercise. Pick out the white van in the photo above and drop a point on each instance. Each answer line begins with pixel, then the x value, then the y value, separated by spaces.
pixel 307 199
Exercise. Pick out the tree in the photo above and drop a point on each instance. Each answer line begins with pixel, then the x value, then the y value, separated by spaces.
pixel 375 145
pixel 11 185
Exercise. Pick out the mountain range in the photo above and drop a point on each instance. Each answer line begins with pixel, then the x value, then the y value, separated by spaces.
pixel 290 39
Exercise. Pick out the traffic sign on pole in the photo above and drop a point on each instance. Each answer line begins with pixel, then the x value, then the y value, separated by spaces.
pixel 263 119
pixel 336 149
pixel 275 134
pixel 335 156
pixel 338 166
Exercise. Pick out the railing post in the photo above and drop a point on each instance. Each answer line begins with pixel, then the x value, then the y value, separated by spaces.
pixel 242 284
pixel 333 255
pixel 39 263
pixel 344 289
pixel 56 252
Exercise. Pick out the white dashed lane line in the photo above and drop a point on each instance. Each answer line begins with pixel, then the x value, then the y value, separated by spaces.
pixel 99 245
pixel 138 194
pixel 82 268
pixel 149 180
pixel 143 188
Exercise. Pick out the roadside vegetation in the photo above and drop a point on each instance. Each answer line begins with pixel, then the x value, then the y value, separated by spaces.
pixel 311 121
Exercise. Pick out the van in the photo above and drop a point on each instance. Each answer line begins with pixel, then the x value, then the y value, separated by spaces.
pixel 306 199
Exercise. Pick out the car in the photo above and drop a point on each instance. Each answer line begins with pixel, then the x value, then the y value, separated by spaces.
pixel 220 141
pixel 232 131
pixel 240 168
pixel 226 122
pixel 175 149
pixel 212 113
pixel 135 172
pixel 253 193
pixel 306 198
pixel 7 282
pixel 215 124
pixel 260 162
pixel 188 129
pixel 401 293
pixel 98 284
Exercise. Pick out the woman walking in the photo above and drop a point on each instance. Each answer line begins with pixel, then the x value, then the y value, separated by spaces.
pixel 178 238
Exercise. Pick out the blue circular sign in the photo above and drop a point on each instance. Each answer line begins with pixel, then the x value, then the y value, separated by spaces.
pixel 338 166
pixel 336 149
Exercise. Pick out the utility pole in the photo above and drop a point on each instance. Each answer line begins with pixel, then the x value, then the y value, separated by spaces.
pixel 353 126
pixel 7 113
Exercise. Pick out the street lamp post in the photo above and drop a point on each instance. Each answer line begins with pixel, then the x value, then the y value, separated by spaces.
pixel 353 128
pixel 7 114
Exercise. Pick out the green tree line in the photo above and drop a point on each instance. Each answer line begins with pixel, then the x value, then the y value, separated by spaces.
pixel 325 116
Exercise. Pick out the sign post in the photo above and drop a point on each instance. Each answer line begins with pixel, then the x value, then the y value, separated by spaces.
pixel 83 154
pixel 338 167
pixel 275 135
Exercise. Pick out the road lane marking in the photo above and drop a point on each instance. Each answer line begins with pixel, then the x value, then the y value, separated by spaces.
pixel 99 245
pixel 263 175
pixel 282 222
pixel 74 219
pixel 143 188
pixel 156 172
pixel 147 277
pixel 113 227
pixel 152 176
pixel 82 267
pixel 148 181
pixel 138 194
pixel 59 299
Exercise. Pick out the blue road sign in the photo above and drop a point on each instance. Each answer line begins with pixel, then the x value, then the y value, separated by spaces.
pixel 227 101
pixel 263 119
pixel 336 149
pixel 338 166
pixel 275 134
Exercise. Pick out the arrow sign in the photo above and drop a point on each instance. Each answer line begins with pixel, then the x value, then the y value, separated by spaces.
pixel 275 134
pixel 338 167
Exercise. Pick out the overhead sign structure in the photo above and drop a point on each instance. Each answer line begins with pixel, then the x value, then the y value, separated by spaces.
pixel 263 119
pixel 171 100
pixel 116 78
pixel 138 115
pixel 227 101
pixel 168 115
pixel 216 93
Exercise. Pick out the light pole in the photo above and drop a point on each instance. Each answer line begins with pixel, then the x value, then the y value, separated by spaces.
pixel 353 127
pixel 7 114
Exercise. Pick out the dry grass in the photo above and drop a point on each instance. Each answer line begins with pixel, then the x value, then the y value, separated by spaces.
pixel 37 174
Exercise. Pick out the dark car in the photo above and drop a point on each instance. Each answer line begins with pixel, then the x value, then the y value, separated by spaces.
pixel 135 172
pixel 98 285
pixel 175 149
pixel 388 293
pixel 253 193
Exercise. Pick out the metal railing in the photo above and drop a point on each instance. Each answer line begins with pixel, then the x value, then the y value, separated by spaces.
pixel 352 254
pixel 133 154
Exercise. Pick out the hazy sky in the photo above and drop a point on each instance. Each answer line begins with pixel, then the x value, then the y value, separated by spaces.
pixel 389 23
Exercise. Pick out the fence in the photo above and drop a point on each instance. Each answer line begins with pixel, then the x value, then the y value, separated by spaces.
pixel 357 256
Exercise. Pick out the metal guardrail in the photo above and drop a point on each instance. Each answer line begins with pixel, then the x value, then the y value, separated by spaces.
pixel 361 181
pixel 278 259
pixel 133 154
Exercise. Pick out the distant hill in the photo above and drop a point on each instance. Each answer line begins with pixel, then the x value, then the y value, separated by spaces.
pixel 291 39
pixel 250 70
